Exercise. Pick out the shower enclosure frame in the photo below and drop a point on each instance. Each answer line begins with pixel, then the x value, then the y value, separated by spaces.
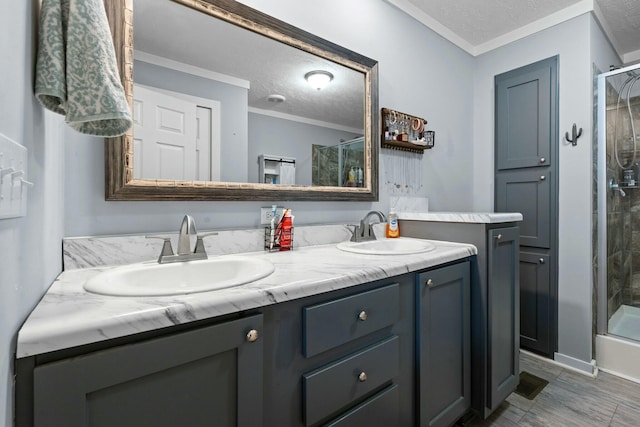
pixel 603 189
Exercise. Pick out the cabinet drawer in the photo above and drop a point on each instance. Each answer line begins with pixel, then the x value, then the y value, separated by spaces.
pixel 337 322
pixel 334 387
pixel 380 410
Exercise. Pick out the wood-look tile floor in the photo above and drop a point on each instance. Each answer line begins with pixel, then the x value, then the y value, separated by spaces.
pixel 570 399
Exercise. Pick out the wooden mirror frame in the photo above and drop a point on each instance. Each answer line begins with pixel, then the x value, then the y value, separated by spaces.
pixel 119 181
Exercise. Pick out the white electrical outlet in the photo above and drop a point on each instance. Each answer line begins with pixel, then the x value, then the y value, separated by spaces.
pixel 266 214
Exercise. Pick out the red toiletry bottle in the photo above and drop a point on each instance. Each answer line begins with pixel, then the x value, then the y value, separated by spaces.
pixel 285 233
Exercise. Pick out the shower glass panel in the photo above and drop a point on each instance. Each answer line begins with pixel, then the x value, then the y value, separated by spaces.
pixel 340 165
pixel 618 195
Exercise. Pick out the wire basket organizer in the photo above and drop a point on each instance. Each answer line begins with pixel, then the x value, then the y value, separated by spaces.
pixel 282 239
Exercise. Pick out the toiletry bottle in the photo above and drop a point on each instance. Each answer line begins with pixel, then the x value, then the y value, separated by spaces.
pixel 352 175
pixel 359 177
pixel 285 233
pixel 393 228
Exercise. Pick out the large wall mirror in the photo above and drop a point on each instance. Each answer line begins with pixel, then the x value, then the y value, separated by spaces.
pixel 226 107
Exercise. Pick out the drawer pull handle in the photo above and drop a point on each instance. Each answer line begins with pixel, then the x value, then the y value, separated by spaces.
pixel 252 335
pixel 362 377
pixel 499 237
pixel 542 177
pixel 363 315
pixel 430 282
pixel 542 159
pixel 541 260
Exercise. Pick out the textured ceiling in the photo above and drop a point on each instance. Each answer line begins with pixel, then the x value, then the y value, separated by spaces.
pixel 623 18
pixel 481 25
pixel 478 21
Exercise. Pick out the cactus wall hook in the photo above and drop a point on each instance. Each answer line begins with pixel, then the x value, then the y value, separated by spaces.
pixel 576 134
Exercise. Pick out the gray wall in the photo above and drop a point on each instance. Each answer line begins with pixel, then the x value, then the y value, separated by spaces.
pixel 441 95
pixel 30 248
pixel 233 111
pixel 280 137
pixel 572 41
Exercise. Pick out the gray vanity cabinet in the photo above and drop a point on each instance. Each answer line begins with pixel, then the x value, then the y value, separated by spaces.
pixel 495 304
pixel 369 355
pixel 207 376
pixel 444 344
pixel 343 358
pixel 503 310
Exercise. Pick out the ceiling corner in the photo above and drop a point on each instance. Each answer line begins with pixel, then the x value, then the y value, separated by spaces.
pixel 422 17
pixel 606 27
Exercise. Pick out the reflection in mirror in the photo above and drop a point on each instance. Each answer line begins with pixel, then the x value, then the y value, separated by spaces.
pixel 217 106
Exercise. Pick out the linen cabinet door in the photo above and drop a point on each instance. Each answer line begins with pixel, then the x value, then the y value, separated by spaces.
pixel 527 191
pixel 535 301
pixel 444 344
pixel 203 377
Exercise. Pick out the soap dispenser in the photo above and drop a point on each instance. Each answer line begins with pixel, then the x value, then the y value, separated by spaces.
pixel 393 228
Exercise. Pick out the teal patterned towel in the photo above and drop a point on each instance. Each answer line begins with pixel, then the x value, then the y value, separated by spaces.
pixel 76 72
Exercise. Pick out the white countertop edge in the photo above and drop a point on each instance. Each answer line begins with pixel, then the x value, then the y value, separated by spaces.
pixel 462 217
pixel 67 316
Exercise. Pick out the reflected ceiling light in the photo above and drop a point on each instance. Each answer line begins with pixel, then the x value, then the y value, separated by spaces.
pixel 276 99
pixel 318 79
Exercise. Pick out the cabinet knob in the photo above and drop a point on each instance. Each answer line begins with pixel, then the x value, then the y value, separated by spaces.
pixel 542 159
pixel 499 237
pixel 252 335
pixel 430 282
pixel 362 377
pixel 541 260
pixel 542 177
pixel 363 315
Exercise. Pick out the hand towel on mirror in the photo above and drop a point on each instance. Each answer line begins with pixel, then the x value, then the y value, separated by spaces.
pixel 76 71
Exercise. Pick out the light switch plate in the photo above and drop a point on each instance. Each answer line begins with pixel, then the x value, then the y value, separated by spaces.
pixel 13 169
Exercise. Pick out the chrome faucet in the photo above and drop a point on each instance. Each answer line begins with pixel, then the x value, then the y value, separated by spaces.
pixel 614 186
pixel 364 231
pixel 187 229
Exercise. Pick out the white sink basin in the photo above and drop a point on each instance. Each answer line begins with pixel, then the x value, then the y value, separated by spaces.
pixel 397 246
pixel 153 279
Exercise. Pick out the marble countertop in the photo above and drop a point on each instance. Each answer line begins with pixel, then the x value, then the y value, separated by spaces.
pixel 68 316
pixel 462 217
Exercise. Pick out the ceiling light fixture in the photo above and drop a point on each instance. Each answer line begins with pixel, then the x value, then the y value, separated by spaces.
pixel 318 79
pixel 276 99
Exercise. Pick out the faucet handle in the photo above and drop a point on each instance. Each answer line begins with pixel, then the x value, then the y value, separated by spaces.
pixel 199 249
pixel 167 250
pixel 354 232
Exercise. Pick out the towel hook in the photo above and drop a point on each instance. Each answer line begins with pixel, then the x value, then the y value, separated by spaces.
pixel 575 136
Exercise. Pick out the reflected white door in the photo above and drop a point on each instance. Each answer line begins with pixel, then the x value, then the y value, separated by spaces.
pixel 203 143
pixel 165 132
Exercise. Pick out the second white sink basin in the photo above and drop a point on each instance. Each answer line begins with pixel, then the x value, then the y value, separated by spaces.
pixel 153 279
pixel 397 246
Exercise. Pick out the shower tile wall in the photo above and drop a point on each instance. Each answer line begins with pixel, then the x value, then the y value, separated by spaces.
pixel 325 161
pixel 623 215
pixel 324 169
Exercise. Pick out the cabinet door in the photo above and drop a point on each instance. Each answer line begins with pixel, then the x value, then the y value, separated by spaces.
pixel 503 320
pixel 527 191
pixel 526 115
pixel 205 377
pixel 535 302
pixel 444 340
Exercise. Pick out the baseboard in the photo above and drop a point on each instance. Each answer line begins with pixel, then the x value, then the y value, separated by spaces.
pixel 577 365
